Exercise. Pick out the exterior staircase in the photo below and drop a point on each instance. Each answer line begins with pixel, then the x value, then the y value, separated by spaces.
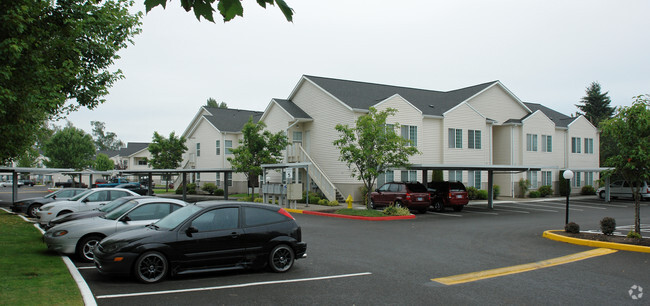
pixel 297 154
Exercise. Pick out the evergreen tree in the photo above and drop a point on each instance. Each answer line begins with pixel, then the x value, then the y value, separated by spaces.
pixel 595 105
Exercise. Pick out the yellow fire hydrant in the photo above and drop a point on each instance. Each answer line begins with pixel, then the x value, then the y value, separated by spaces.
pixel 349 201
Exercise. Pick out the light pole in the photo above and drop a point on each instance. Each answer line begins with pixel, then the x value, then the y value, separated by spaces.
pixel 568 175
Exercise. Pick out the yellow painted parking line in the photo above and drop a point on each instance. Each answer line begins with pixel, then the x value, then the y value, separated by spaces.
pixel 474 276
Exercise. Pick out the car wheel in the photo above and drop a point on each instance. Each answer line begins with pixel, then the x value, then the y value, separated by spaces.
pixel 372 204
pixel 398 204
pixel 602 194
pixel 85 248
pixel 281 258
pixel 32 209
pixel 63 212
pixel 151 267
pixel 458 207
pixel 437 206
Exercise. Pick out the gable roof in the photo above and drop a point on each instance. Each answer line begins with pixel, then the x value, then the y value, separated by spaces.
pixel 362 95
pixel 229 119
pixel 292 109
pixel 132 148
pixel 560 120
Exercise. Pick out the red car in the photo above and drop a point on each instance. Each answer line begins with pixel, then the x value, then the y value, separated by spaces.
pixel 406 194
pixel 448 194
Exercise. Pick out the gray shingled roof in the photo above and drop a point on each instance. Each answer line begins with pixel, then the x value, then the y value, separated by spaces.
pixel 133 147
pixel 361 95
pixel 293 109
pixel 560 120
pixel 229 119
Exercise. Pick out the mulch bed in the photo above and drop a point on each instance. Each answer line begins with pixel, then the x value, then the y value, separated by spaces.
pixel 602 237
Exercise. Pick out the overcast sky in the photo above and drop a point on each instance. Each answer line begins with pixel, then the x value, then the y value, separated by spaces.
pixel 545 52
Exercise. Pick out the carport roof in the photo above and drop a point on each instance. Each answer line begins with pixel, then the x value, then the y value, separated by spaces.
pixel 504 168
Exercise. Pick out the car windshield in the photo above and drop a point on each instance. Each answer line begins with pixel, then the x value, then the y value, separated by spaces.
pixel 177 217
pixel 456 187
pixel 119 211
pixel 416 187
pixel 113 204
pixel 81 195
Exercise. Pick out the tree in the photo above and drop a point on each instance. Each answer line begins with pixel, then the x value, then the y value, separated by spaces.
pixel 69 148
pixel 630 131
pixel 105 140
pixel 373 147
pixel 213 103
pixel 228 9
pixel 166 153
pixel 54 58
pixel 595 105
pixel 258 147
pixel 103 163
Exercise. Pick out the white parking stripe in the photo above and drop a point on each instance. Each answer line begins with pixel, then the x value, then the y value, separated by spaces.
pixel 444 214
pixel 510 210
pixel 232 286
pixel 481 212
pixel 576 205
pixel 546 206
pixel 530 208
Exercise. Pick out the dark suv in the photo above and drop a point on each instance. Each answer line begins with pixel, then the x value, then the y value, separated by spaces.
pixel 448 194
pixel 413 195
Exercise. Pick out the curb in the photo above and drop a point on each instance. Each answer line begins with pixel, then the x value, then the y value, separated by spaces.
pixel 598 244
pixel 307 212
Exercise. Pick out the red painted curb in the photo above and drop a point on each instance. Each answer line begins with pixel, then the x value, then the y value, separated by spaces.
pixel 391 218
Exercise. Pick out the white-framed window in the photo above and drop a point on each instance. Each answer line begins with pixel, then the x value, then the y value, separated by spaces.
pixel 577 180
pixel 218 147
pixel 218 180
pixel 575 145
pixel 589 146
pixel 455 175
pixel 228 144
pixel 473 139
pixel 547 178
pixel 198 149
pixel 456 138
pixel 229 178
pixel 142 162
pixel 531 142
pixel 589 178
pixel 475 179
pixel 409 176
pixel 410 132
pixel 533 179
pixel 385 177
pixel 297 137
pixel 547 143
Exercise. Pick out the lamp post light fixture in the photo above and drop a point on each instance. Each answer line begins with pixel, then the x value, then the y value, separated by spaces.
pixel 568 175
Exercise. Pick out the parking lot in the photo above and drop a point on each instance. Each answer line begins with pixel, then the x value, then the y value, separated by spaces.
pixel 394 262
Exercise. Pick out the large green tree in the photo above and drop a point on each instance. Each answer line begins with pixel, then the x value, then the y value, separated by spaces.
pixel 103 163
pixel 69 148
pixel 258 147
pixel 105 140
pixel 372 147
pixel 54 58
pixel 595 105
pixel 166 153
pixel 629 129
pixel 228 9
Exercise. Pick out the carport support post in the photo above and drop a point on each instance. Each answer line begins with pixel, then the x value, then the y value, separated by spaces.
pixel 490 187
pixel 425 178
pixel 149 189
pixel 184 186
pixel 14 187
pixel 225 185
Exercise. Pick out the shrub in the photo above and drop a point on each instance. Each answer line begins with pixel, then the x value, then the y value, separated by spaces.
pixel 482 195
pixel 607 225
pixel 313 198
pixel 209 188
pixel 437 176
pixel 523 187
pixel 572 228
pixel 333 203
pixel 364 194
pixel 323 202
pixel 472 193
pixel 633 234
pixel 396 211
pixel 258 200
pixel 534 194
pixel 496 190
pixel 219 192
pixel 191 188
pixel 587 190
pixel 545 190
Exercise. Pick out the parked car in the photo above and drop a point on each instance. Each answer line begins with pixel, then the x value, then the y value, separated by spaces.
pixel 448 194
pixel 622 189
pixel 99 181
pixel 114 182
pixel 80 237
pixel 204 237
pixel 88 200
pixel 97 212
pixel 10 184
pixel 413 195
pixel 70 183
pixel 31 205
pixel 139 189
pixel 29 183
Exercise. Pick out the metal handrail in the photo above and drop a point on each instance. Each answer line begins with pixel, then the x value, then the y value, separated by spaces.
pixel 317 174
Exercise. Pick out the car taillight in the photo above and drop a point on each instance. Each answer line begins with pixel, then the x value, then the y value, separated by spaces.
pixel 286 213
pixel 408 196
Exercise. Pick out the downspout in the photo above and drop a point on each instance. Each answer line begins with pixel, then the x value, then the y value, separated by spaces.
pixel 286 132
pixel 512 160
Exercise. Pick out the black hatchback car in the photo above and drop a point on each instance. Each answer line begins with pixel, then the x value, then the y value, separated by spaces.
pixel 204 237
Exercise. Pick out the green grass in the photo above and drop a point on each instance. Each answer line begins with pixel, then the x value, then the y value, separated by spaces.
pixel 361 212
pixel 162 191
pixel 29 273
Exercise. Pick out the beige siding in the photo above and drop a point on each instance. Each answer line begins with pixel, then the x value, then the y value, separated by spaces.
pixel 406 114
pixel 538 124
pixel 432 143
pixel 495 103
pixel 502 145
pixel 466 118
pixel 582 128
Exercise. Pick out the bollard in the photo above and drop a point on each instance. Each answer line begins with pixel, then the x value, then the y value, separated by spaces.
pixel 349 201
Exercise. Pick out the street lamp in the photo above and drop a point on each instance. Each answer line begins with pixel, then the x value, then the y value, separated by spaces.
pixel 568 175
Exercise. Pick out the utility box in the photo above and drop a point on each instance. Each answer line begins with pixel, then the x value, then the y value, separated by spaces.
pixel 294 191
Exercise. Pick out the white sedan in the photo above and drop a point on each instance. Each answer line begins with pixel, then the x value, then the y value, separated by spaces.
pixel 91 199
pixel 10 184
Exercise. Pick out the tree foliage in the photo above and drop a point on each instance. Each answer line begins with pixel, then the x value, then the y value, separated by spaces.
pixel 595 105
pixel 372 147
pixel 54 58
pixel 69 148
pixel 228 9
pixel 212 102
pixel 105 140
pixel 258 147
pixel 103 163
pixel 629 129
pixel 166 153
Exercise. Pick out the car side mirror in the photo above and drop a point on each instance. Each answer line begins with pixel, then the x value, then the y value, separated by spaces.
pixel 54 197
pixel 190 230
pixel 125 219
pixel 85 200
pixel 377 190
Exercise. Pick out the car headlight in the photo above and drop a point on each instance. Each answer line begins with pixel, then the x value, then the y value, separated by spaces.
pixel 59 233
pixel 46 208
pixel 113 247
pixel 19 204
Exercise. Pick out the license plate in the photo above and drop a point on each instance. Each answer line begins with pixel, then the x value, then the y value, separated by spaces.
pixel 459 196
pixel 419 199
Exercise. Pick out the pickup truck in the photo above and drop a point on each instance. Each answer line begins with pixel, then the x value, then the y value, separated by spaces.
pixel 116 181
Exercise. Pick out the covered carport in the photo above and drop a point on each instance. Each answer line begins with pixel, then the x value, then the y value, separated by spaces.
pixel 598 169
pixel 491 170
pixel 183 172
pixel 16 170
